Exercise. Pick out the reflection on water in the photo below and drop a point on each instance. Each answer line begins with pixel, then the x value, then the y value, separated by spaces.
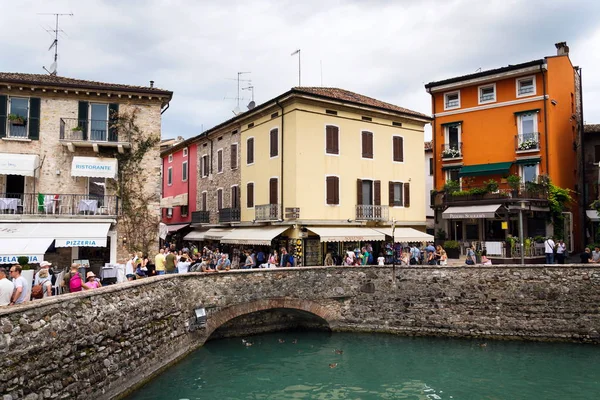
pixel 379 367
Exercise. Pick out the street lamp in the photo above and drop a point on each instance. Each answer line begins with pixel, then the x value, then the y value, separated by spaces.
pixel 523 207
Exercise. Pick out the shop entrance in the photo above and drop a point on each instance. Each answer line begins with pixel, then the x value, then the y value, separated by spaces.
pixel 15 185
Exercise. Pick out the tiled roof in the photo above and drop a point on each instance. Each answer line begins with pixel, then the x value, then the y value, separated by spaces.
pixel 44 79
pixel 346 95
pixel 591 128
pixel 429 146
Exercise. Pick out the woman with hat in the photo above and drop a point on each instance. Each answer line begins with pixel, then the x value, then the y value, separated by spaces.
pixel 92 282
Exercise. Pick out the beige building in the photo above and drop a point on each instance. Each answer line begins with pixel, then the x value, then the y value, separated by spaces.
pixel 66 168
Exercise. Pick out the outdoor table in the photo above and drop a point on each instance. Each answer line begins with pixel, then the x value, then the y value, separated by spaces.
pixel 10 204
pixel 88 206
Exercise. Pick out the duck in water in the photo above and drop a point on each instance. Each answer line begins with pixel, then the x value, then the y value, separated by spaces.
pixel 332 365
pixel 281 341
pixel 339 351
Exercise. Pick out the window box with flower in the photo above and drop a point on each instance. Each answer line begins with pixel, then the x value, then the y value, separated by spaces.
pixel 451 153
pixel 530 144
pixel 17 120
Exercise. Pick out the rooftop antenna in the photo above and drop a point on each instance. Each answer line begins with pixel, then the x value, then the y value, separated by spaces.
pixel 252 104
pixel 478 69
pixel 236 110
pixel 299 73
pixel 54 66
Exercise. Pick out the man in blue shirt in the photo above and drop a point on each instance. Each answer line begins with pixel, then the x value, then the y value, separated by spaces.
pixel 415 255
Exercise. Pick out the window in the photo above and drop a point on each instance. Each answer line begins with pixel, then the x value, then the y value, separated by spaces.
pixel 331 112
pixel 273 191
pixel 250 195
pixel 274 142
pixel 367 119
pixel 169 212
pixel 185 152
pixel 452 175
pixel 526 86
pixel 394 123
pixel 97 189
pixel 332 139
pixel 487 94
pixel 529 173
pixel 219 161
pixel 98 121
pixel 275 115
pixel 183 211
pixel 204 201
pixel 452 147
pixel 170 157
pixel 204 166
pixel 396 194
pixel 431 166
pixel 170 176
pixel 451 100
pixel 184 171
pixel 398 148
pixel 219 199
pixel 250 151
pixel 527 127
pixel 235 196
pixel 332 184
pixel 367 144
pixel 368 192
pixel 234 156
pixel 251 125
pixel 18 116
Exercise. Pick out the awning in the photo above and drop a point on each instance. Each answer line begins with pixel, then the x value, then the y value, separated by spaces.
pixel 180 200
pixel 13 248
pixel 259 236
pixel 166 202
pixel 195 236
pixel 175 228
pixel 163 231
pixel 592 215
pixel 406 235
pixel 484 211
pixel 529 208
pixel 65 234
pixel 347 234
pixel 485 169
pixel 528 161
pixel 216 233
pixel 94 167
pixel 18 164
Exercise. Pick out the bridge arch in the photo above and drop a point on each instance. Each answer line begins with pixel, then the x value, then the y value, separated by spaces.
pixel 226 314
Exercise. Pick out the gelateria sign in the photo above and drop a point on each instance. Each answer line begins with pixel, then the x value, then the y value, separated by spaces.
pixel 94 167
pixel 80 242
pixel 14 259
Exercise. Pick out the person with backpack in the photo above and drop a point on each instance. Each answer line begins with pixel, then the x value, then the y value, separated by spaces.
pixel 43 288
pixel 73 281
pixel 470 256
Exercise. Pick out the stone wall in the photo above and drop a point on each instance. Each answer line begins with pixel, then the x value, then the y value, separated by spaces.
pixel 98 344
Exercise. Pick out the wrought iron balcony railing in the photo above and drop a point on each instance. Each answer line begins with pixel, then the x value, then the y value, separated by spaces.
pixel 477 194
pixel 200 217
pixel 267 212
pixel 229 215
pixel 58 204
pixel 372 213
pixel 91 130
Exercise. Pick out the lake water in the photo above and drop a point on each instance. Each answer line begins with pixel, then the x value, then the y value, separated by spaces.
pixel 376 366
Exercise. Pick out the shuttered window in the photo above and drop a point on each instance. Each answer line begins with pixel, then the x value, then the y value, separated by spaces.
pixel 220 161
pixel 250 195
pixel 367 144
pixel 234 156
pixel 398 148
pixel 359 189
pixel 3 115
pixel 250 150
pixel 377 193
pixel 407 195
pixel 204 166
pixel 274 142
pixel 34 118
pixel 219 199
pixel 332 190
pixel 273 198
pixel 396 194
pixel 204 205
pixel 235 197
pixel 332 137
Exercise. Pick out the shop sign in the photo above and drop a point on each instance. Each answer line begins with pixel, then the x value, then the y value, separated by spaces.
pixel 80 243
pixel 469 215
pixel 11 259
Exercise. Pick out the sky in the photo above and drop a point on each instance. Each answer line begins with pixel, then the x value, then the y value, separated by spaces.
pixel 383 49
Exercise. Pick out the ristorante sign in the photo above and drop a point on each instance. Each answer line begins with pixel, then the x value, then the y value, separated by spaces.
pixel 96 167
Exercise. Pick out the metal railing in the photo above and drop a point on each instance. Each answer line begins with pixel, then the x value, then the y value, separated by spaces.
pixel 527 141
pixel 526 89
pixel 229 215
pixel 90 130
pixel 58 204
pixel 372 213
pixel 200 217
pixel 267 212
pixel 453 150
pixel 503 192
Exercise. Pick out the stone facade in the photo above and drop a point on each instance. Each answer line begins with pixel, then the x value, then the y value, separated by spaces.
pixel 101 343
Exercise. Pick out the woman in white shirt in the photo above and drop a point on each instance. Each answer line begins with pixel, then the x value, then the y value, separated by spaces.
pixel 183 265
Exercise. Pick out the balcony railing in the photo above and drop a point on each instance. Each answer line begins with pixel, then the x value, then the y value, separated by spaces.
pixel 229 215
pixel 200 217
pixel 91 130
pixel 267 212
pixel 527 141
pixel 485 194
pixel 58 204
pixel 372 213
pixel 453 150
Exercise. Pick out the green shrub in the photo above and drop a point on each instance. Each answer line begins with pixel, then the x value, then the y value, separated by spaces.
pixel 451 244
pixel 478 191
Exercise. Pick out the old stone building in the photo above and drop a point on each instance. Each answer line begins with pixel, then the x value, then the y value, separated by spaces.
pixel 70 151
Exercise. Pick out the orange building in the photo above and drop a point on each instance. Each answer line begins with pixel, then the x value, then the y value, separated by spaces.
pixel 495 133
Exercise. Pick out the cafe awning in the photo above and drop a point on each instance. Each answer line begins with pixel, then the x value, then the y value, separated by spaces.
pixel 195 236
pixel 33 248
pixel 176 227
pixel 406 235
pixel 259 236
pixel 180 200
pixel 18 164
pixel 466 212
pixel 347 234
pixel 166 202
pixel 485 169
pixel 79 235
pixel 217 233
pixel 29 237
pixel 94 167
pixel 592 215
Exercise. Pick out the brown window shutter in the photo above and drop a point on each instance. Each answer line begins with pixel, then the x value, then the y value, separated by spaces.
pixel 336 140
pixel 329 190
pixel 359 199
pixel 401 149
pixel 219 199
pixel 377 200
pixel 250 195
pixel 250 155
pixel 364 144
pixel 219 161
pixel 370 138
pixel 273 191
pixel 367 145
pixel 331 139
pixel 391 194
pixel 233 156
pixel 274 143
pixel 336 191
pixel 204 205
pixel 406 194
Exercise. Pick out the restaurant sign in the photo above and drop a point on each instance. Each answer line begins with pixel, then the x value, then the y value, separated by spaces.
pixel 468 215
pixel 74 242
pixel 13 259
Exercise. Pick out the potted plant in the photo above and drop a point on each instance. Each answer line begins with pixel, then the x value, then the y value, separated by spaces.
pixel 514 182
pixel 77 129
pixel 491 186
pixel 452 186
pixel 528 144
pixel 451 153
pixel 16 120
pixel 452 248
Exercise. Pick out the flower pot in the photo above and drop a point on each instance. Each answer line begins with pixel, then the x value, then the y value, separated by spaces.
pixel 17 122
pixel 453 253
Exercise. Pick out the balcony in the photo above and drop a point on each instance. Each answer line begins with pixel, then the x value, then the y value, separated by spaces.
pixel 372 213
pixel 452 151
pixel 501 193
pixel 92 133
pixel 40 204
pixel 267 212
pixel 200 217
pixel 229 215
pixel 527 142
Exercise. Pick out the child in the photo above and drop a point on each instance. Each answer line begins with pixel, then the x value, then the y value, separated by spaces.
pixel 380 260
pixel 443 258
pixel 484 259
pixel 92 282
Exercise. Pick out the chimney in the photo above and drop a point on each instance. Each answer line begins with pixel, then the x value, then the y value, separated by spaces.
pixel 152 82
pixel 562 49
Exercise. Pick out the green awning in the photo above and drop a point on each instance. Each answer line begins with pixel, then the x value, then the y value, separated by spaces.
pixel 528 161
pixel 485 169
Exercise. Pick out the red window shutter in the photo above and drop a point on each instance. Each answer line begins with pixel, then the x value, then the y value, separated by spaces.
pixel 274 143
pixel 391 194
pixel 407 195
pixel 359 199
pixel 273 191
pixel 250 155
pixel 377 195
pixel 250 195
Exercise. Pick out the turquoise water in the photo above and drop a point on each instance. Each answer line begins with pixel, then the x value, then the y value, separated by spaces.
pixel 379 367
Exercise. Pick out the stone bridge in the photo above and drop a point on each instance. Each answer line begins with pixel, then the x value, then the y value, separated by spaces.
pixel 104 342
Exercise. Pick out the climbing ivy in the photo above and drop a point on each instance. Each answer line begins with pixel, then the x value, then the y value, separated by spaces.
pixel 559 201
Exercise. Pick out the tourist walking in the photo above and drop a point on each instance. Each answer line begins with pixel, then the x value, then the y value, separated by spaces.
pixel 415 255
pixel 561 251
pixel 381 260
pixel 73 281
pixel 44 265
pixel 328 262
pixel 159 262
pixel 470 256
pixel 596 255
pixel 46 282
pixel 183 265
pixel 6 288
pixel 549 246
pixel 484 259
pixel 22 291
pixel 170 260
pixel 274 259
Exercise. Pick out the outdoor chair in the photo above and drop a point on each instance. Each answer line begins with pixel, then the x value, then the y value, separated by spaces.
pixel 56 288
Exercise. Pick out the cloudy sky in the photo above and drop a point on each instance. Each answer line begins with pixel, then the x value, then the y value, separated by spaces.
pixel 383 49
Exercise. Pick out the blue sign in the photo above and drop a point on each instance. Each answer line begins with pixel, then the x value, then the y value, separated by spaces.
pixel 14 259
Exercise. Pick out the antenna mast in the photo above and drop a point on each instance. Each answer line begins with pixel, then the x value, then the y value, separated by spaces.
pixel 54 67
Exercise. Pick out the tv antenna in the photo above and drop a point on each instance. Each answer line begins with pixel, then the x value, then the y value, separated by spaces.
pixel 54 66
pixel 236 110
pixel 252 103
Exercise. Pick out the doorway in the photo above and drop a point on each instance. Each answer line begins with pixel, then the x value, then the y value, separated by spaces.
pixel 15 185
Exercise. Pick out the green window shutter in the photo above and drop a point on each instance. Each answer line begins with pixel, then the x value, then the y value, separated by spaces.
pixel 3 110
pixel 34 118
pixel 82 116
pixel 113 118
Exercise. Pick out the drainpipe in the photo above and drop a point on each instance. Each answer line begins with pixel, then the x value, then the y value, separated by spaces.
pixel 281 184
pixel 433 133
pixel 582 206
pixel 545 120
pixel 165 109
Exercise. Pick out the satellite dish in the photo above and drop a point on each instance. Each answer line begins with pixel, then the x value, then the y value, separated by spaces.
pixel 251 105
pixel 236 110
